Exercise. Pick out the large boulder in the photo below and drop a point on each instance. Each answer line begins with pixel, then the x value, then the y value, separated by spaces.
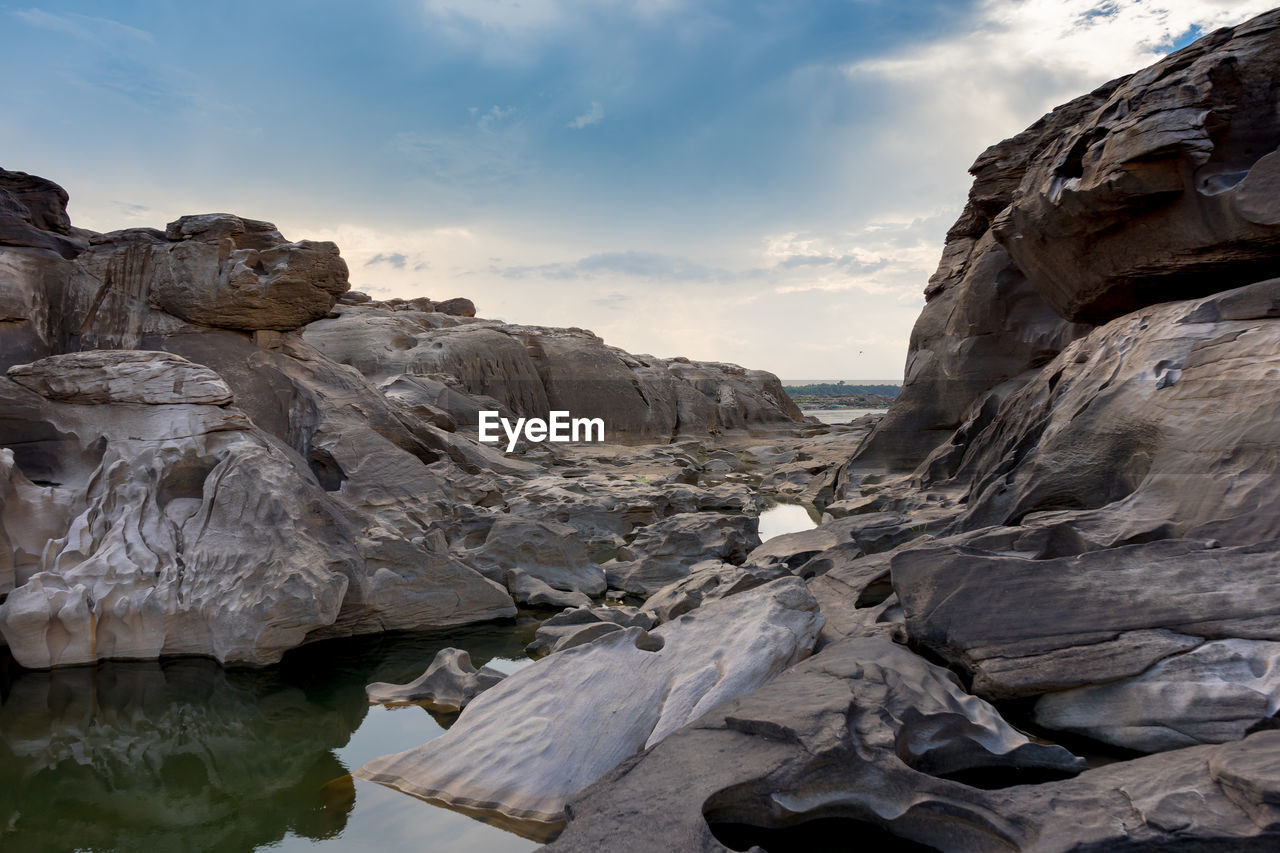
pixel 1167 189
pixel 33 213
pixel 665 552
pixel 222 271
pixel 527 745
pixel 533 370
pixel 142 508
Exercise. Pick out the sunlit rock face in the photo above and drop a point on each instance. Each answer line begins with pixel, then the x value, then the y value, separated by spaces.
pixel 222 271
pixel 526 745
pixel 170 524
pixel 1167 189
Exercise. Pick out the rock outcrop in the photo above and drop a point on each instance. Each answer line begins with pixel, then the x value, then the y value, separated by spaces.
pixel 527 745
pixel 449 683
pixel 533 370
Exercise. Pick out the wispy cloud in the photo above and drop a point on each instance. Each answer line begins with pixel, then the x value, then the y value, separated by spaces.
pixel 84 26
pixel 392 259
pixel 593 115
pixel 637 264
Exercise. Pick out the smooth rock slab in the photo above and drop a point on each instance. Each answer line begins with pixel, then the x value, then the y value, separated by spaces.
pixel 1212 694
pixel 525 747
pixel 450 682
pixel 122 376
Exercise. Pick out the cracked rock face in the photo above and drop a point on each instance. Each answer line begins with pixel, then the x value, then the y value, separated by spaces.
pixel 142 515
pixel 222 271
pixel 1165 190
pixel 526 746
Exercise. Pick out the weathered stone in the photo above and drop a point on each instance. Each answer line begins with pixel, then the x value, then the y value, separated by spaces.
pixel 449 683
pixel 223 271
pixel 1215 693
pixel 459 307
pixel 126 376
pixel 1162 191
pixel 663 552
pixel 580 712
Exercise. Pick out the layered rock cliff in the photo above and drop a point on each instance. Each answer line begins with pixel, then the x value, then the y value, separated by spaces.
pixel 1073 506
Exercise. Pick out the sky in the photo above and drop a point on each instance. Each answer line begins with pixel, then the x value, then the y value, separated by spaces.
pixel 766 183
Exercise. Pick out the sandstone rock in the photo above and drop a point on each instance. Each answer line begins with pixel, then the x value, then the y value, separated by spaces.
pixel 459 307
pixel 222 271
pixel 579 625
pixel 532 370
pixel 530 590
pixel 663 552
pixel 122 376
pixel 864 731
pixel 584 710
pixel 548 551
pixel 707 581
pixel 1162 191
pixel 33 213
pixel 1214 693
pixel 450 682
pixel 147 552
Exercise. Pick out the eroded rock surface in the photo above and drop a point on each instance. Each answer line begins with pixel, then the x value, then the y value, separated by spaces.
pixel 449 683
pixel 524 747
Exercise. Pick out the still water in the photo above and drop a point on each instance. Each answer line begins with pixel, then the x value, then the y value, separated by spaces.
pixel 840 416
pixel 182 754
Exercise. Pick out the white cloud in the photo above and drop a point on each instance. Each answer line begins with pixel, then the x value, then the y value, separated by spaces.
pixel 593 115
pixel 84 26
pixel 1021 58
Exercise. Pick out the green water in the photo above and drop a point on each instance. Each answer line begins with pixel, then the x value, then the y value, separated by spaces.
pixel 185 755
pixel 182 754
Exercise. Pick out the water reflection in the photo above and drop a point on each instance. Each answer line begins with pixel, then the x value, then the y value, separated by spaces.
pixel 185 755
pixel 786 518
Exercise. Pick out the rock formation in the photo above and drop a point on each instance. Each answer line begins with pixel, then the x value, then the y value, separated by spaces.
pixel 185 470
pixel 1072 505
pixel 542 735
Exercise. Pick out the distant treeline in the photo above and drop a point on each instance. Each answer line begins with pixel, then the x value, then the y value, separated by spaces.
pixel 839 389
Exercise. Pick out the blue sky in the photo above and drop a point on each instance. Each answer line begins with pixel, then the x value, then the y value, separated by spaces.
pixel 760 182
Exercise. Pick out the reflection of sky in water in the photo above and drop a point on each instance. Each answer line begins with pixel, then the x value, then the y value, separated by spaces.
pixel 841 416
pixel 784 518
pixel 185 755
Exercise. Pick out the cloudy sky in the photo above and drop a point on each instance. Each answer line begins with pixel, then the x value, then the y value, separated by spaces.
pixel 761 182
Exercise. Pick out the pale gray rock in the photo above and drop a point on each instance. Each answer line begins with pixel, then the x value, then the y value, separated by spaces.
pixel 663 552
pixel 526 746
pixel 122 376
pixel 532 370
pixel 579 625
pixel 707 581
pixel 449 683
pixel 532 591
pixel 1215 693
pixel 547 551
pixel 143 509
pixel 976 607
pixel 865 731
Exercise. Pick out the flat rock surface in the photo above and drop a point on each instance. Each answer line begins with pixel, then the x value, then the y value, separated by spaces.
pixel 523 748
